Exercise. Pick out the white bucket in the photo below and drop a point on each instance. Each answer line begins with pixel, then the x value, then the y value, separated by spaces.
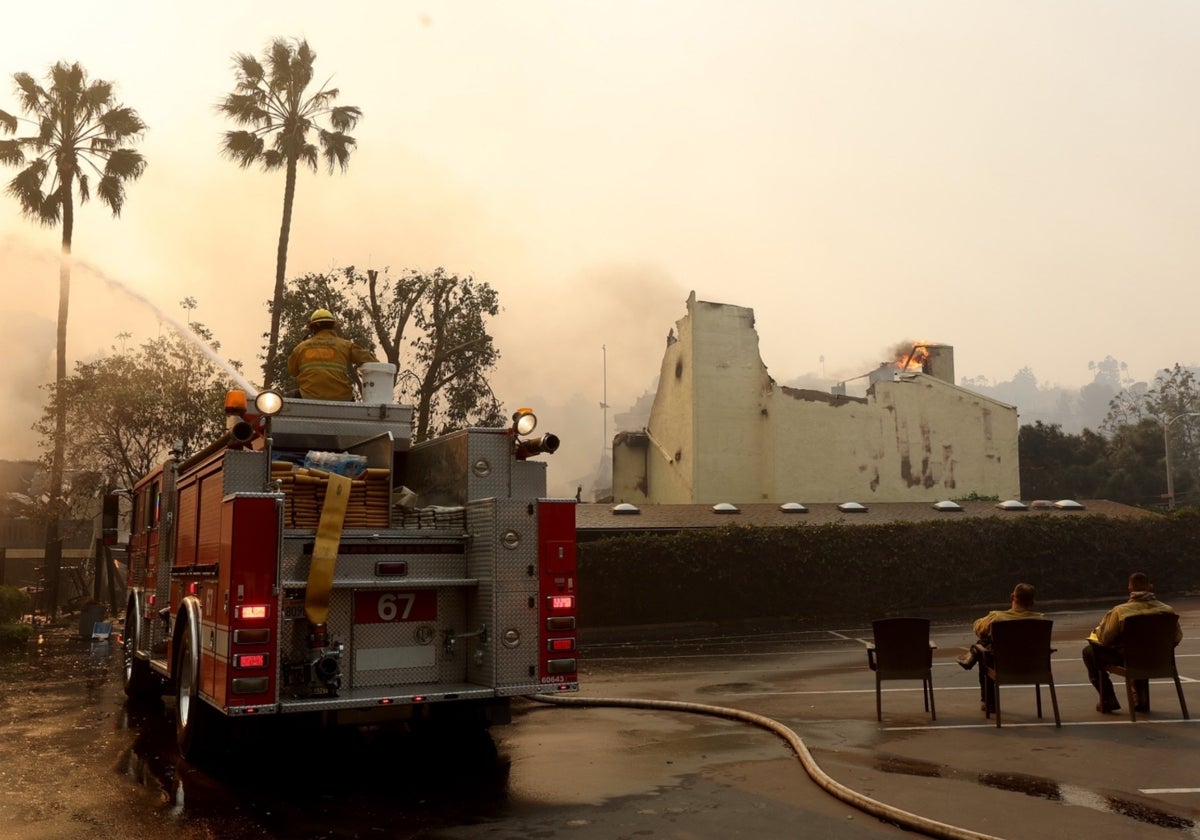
pixel 378 379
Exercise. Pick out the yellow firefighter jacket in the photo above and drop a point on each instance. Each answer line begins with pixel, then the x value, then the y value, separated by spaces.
pixel 1108 631
pixel 321 365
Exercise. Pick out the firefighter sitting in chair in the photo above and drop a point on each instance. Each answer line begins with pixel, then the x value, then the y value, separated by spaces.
pixel 321 364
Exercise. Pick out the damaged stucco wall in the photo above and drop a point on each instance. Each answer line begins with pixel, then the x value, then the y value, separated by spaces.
pixel 721 430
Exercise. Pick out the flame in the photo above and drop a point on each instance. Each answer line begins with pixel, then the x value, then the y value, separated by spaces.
pixel 911 355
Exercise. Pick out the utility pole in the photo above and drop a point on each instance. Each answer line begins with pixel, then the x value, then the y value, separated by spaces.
pixel 604 403
pixel 600 469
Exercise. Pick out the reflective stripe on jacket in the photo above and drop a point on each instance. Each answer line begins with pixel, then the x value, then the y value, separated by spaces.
pixel 321 365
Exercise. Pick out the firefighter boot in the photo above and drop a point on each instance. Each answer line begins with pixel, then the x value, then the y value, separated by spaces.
pixel 1108 697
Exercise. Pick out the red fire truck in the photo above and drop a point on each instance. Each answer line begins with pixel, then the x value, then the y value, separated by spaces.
pixel 315 560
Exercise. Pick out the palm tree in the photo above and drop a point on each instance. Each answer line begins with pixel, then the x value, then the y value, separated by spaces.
pixel 79 131
pixel 271 100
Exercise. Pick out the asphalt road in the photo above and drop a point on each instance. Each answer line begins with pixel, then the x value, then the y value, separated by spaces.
pixel 75 762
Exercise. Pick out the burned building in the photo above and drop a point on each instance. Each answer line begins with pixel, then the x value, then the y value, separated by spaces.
pixel 722 430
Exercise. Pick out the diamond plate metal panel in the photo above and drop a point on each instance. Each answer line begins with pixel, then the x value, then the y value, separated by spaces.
pixel 245 472
pixel 517 665
pixel 514 533
pixel 471 464
pixel 430 558
pixel 509 590
pixel 529 479
pixel 492 447
pixel 333 426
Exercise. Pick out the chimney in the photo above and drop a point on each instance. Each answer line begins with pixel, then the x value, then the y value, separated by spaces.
pixel 940 363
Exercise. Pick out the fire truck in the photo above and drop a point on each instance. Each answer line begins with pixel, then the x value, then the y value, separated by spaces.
pixel 314 559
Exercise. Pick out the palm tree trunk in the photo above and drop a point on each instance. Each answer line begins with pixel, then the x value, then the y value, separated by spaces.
pixel 285 228
pixel 52 562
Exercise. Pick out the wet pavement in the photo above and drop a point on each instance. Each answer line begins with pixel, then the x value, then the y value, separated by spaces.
pixel 76 762
pixel 1098 776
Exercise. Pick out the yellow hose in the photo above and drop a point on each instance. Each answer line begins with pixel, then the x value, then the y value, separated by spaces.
pixel 325 549
pixel 905 819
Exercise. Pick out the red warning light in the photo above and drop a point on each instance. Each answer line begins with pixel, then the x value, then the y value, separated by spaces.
pixel 561 602
pixel 250 660
pixel 252 611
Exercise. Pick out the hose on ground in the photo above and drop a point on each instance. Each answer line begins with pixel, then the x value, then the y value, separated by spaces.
pixel 905 819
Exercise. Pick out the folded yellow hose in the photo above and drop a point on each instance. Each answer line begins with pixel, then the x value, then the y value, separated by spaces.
pixel 325 549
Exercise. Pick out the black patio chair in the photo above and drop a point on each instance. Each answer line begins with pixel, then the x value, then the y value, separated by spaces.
pixel 902 651
pixel 1021 656
pixel 1148 642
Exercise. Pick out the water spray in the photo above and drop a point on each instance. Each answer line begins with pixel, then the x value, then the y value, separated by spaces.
pixel 180 328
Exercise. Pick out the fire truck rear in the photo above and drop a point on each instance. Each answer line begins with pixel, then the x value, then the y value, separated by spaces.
pixel 315 560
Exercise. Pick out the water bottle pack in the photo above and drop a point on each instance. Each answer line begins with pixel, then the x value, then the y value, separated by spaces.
pixel 342 463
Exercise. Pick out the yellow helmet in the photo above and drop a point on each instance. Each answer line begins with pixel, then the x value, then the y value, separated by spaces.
pixel 320 316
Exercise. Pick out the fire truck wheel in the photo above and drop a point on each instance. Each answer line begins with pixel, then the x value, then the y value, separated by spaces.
pixel 191 713
pixel 140 682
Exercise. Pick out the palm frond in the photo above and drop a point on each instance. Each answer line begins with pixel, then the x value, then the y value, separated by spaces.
pixel 26 187
pixel 10 153
pixel 46 130
pixel 29 93
pixel 309 156
pixel 244 108
pixel 320 101
pixel 52 205
pixel 345 117
pixel 8 122
pixel 302 65
pixel 243 147
pixel 111 191
pixel 247 68
pixel 273 159
pixel 125 165
pixel 336 148
pixel 121 123
pixel 97 97
pixel 68 80
pixel 85 187
pixel 279 64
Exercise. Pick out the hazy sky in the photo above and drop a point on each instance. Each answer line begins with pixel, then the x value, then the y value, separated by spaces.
pixel 1019 180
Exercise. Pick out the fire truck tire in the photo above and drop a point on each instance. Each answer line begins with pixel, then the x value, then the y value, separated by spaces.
pixel 140 682
pixel 192 715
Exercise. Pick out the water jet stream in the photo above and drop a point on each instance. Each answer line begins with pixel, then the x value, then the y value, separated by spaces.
pixel 183 330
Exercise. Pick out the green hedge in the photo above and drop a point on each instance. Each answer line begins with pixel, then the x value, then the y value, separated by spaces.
pixel 15 635
pixel 737 572
pixel 14 603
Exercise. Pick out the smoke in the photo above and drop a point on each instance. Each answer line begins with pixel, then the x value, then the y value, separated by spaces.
pixel 22 389
pixel 570 368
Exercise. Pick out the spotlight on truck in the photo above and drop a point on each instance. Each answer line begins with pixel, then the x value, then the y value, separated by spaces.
pixel 268 402
pixel 524 421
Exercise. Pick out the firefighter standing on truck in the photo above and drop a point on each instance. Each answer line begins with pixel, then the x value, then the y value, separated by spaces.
pixel 321 363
